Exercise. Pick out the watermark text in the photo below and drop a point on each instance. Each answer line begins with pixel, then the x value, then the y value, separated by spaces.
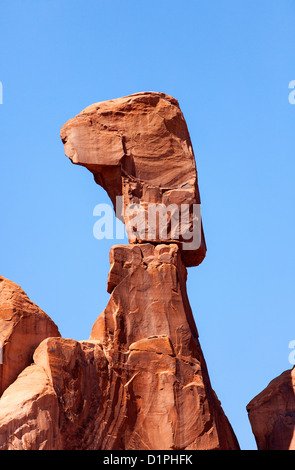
pixel 292 353
pixel 292 93
pixel 150 222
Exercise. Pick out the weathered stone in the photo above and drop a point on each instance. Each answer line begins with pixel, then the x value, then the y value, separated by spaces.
pixel 150 339
pixel 59 402
pixel 272 414
pixel 23 325
pixel 139 147
pixel 79 375
pixel 139 382
pixel 148 297
pixel 29 413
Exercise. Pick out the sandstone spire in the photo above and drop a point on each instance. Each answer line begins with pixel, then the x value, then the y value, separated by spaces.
pixel 140 382
pixel 272 414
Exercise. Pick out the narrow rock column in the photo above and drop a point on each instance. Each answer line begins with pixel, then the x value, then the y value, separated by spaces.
pixel 151 342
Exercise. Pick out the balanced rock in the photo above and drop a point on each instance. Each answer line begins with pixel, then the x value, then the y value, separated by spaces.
pixel 139 149
pixel 139 383
pixel 23 325
pixel 272 414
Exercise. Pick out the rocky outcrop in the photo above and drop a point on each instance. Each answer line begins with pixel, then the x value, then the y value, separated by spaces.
pixel 140 382
pixel 23 325
pixel 29 418
pixel 272 414
pixel 139 147
pixel 149 336
pixel 147 284
pixel 57 403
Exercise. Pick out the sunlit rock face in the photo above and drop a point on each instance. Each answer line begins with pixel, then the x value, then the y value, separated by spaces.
pixel 23 325
pixel 138 148
pixel 272 414
pixel 140 381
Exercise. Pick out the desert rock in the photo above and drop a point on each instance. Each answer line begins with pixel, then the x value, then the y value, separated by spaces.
pixel 139 383
pixel 150 338
pixel 138 147
pixel 23 325
pixel 29 413
pixel 272 414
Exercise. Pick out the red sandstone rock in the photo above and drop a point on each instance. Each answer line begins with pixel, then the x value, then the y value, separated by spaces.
pixel 148 285
pixel 29 413
pixel 272 414
pixel 23 325
pixel 80 377
pixel 139 147
pixel 150 339
pixel 139 382
pixel 58 402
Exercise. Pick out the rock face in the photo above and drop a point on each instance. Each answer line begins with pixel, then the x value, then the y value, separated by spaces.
pixel 156 277
pixel 138 147
pixel 29 413
pixel 140 381
pixel 57 403
pixel 272 414
pixel 149 337
pixel 23 325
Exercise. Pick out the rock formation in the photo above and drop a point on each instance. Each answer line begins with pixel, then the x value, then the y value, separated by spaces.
pixel 272 414
pixel 138 147
pixel 149 336
pixel 140 381
pixel 23 325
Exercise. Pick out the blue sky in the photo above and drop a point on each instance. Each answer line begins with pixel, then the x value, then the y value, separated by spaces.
pixel 229 64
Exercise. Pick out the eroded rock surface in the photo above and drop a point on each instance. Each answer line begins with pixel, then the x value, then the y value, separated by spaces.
pixel 23 325
pixel 139 382
pixel 149 336
pixel 272 414
pixel 139 147
pixel 29 413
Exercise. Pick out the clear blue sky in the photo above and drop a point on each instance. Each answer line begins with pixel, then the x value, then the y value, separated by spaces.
pixel 229 64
